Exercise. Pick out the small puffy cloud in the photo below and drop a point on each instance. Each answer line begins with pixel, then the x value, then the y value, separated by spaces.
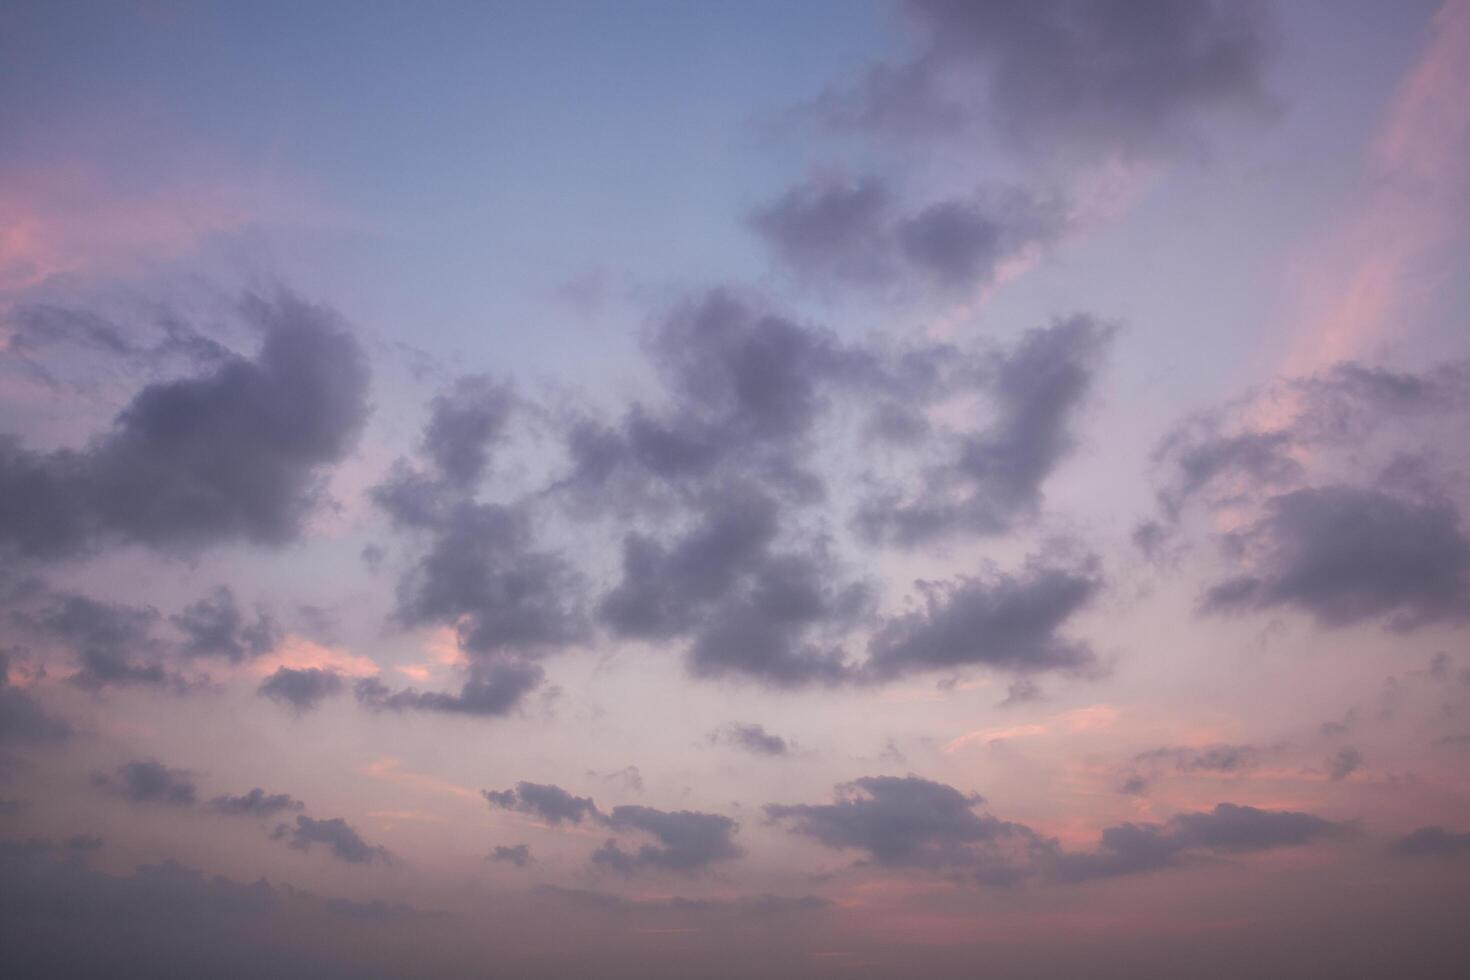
pixel 518 855
pixel 687 841
pixel 301 690
pixel 148 781
pixel 256 803
pixel 751 738
pixel 544 801
pixel 1011 622
pixel 336 835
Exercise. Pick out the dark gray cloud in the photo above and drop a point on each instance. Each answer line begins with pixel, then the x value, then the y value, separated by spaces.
pixel 516 854
pixel 334 834
pixel 836 231
pixel 903 821
pixel 993 477
pixel 1068 76
pixel 1233 828
pixel 832 229
pixel 687 841
pixel 256 803
pixel 493 688
pixel 233 454
pixel 301 689
pixel 744 388
pixel 148 781
pixel 914 822
pixel 482 573
pixel 22 718
pixel 465 423
pixel 1345 555
pixel 1227 829
pixel 750 737
pixel 749 610
pixel 215 627
pixel 546 802
pixel 1010 622
pixel 1434 842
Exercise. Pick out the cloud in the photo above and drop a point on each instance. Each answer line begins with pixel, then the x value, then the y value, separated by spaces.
pixel 551 804
pixel 918 823
pixel 494 688
pixel 1345 555
pixel 518 855
pixel 301 690
pixel 992 477
pixel 465 423
pixel 1209 758
pixel 234 454
pixel 22 719
pixel 1432 842
pixel 838 231
pixel 113 643
pixel 750 611
pixel 215 627
pixel 1082 79
pixel 256 803
pixel 336 835
pixel 688 841
pixel 148 781
pixel 1228 828
pixel 750 737
pixel 1007 621
pixel 1344 764
pixel 903 821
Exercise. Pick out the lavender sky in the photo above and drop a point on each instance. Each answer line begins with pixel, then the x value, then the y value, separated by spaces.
pixel 806 490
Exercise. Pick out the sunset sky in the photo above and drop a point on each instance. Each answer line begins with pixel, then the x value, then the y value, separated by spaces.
pixel 953 488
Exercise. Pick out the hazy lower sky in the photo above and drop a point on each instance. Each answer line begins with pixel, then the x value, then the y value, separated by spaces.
pixel 941 489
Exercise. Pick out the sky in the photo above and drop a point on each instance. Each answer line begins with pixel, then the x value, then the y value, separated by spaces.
pixel 717 490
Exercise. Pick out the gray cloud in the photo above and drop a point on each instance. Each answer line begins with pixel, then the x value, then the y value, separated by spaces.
pixel 1432 842
pixel 750 737
pixel 836 231
pixel 517 854
pixel 215 627
pixel 336 835
pixel 148 781
pixel 465 423
pixel 256 803
pixel 1084 79
pixel 993 477
pixel 903 821
pixel 1345 555
pixel 1209 758
pixel 914 822
pixel 493 688
pixel 546 802
pixel 1008 621
pixel 301 689
pixel 750 611
pixel 233 454
pixel 113 643
pixel 687 841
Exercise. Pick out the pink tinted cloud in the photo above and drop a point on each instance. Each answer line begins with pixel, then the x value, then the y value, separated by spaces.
pixel 1369 274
